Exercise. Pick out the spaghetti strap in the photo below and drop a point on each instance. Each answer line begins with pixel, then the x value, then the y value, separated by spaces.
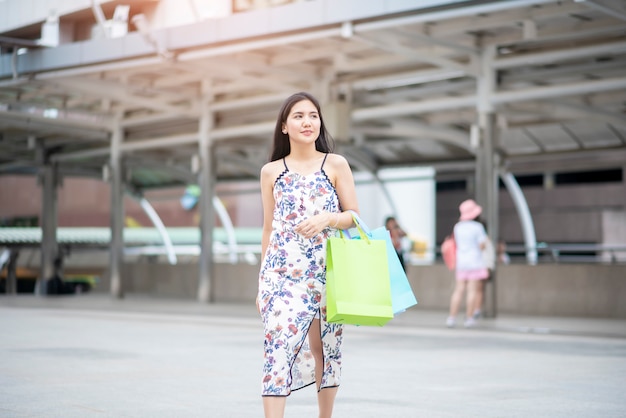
pixel 285 164
pixel 322 166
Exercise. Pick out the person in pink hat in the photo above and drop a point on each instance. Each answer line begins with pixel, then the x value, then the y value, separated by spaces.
pixel 470 237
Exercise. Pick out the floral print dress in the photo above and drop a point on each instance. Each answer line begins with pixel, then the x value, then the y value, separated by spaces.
pixel 292 289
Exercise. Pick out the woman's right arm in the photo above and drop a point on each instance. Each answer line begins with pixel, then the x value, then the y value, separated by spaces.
pixel 267 199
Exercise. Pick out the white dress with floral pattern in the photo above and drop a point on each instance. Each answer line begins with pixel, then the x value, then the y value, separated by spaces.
pixel 292 289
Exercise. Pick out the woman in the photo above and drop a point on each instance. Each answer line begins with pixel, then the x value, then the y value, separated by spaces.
pixel 470 237
pixel 396 233
pixel 306 192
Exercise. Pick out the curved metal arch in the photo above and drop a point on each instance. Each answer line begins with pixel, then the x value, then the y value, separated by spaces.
pixel 528 228
pixel 167 241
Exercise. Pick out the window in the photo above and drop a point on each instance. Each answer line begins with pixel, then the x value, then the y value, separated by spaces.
pixel 597 176
pixel 446 186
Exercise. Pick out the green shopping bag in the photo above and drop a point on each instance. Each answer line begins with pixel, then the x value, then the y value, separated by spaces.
pixel 358 290
pixel 402 296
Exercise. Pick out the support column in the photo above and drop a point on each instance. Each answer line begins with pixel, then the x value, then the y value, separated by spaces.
pixel 48 179
pixel 116 250
pixel 11 283
pixel 206 181
pixel 486 173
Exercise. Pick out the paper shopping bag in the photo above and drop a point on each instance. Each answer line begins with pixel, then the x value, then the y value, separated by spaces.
pixel 358 291
pixel 402 296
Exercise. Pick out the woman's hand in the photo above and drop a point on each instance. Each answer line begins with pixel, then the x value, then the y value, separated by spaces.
pixel 309 228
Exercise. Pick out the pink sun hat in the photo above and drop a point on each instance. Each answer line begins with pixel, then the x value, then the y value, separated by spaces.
pixel 469 210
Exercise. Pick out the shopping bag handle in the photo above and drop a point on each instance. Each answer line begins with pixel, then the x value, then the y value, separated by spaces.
pixel 364 231
pixel 359 222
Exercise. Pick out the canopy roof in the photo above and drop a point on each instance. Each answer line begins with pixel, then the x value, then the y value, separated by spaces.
pixel 407 75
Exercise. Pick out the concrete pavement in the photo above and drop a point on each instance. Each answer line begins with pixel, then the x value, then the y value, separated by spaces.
pixel 91 355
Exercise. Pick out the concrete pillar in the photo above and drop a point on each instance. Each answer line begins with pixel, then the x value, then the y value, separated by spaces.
pixel 487 196
pixel 48 179
pixel 206 180
pixel 11 283
pixel 486 172
pixel 116 250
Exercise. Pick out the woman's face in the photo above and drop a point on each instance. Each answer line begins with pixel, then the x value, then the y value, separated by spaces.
pixel 303 123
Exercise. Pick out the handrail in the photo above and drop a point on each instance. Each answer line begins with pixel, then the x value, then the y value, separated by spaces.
pixel 566 253
pixel 598 253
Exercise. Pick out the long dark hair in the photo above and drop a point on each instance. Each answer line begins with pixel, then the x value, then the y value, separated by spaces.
pixel 281 147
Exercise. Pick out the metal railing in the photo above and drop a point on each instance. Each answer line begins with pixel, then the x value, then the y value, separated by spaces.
pixel 571 253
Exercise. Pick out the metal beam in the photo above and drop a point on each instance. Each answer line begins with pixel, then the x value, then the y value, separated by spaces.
pixel 69 126
pixel 173 141
pixel 431 40
pixel 501 97
pixel 245 165
pixel 442 15
pixel 497 18
pixel 407 78
pixel 412 108
pixel 563 110
pixel 23 43
pixel 247 102
pixel 429 58
pixel 417 131
pixel 620 14
pixel 123 93
pixel 542 58
pixel 568 89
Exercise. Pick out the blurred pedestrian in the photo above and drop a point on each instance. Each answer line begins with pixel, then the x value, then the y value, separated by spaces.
pixel 397 234
pixel 55 285
pixel 470 237
pixel 503 256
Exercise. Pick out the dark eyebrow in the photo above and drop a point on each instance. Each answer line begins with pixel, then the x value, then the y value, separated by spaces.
pixel 315 112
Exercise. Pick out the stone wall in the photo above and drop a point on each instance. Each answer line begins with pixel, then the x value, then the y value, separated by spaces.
pixel 576 290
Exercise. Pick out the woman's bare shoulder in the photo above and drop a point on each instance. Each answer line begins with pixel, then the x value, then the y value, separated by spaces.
pixel 337 161
pixel 272 170
pixel 337 165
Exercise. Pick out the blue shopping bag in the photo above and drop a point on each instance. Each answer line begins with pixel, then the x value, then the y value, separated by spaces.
pixel 402 296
